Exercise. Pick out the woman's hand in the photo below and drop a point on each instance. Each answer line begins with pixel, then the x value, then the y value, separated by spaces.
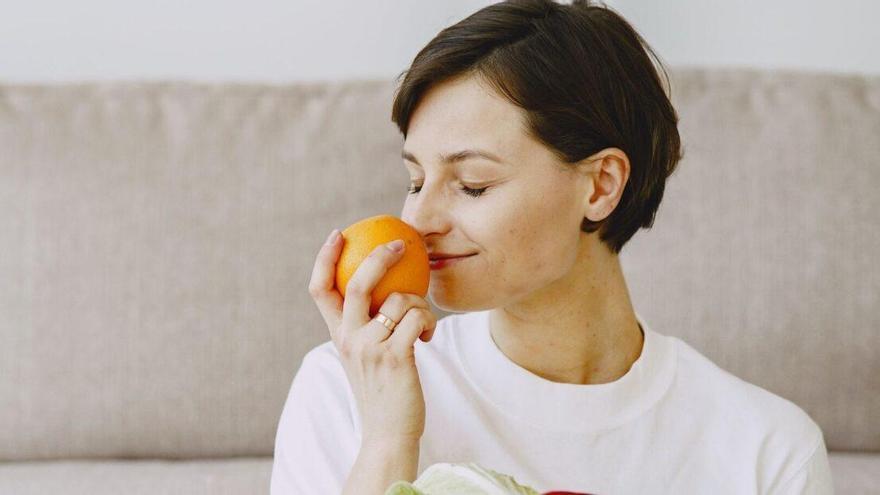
pixel 379 363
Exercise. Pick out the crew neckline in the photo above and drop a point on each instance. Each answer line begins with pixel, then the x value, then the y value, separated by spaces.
pixel 563 407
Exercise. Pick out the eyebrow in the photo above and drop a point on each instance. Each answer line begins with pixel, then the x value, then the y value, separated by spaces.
pixel 458 156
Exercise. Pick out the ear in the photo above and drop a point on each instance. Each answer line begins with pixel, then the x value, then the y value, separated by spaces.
pixel 608 174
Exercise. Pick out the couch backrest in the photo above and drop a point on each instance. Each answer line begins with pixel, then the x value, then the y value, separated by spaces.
pixel 762 255
pixel 156 242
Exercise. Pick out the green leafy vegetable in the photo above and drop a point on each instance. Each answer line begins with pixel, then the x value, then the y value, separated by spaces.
pixel 460 479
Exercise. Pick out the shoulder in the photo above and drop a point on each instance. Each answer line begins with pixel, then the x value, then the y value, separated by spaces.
pixel 321 389
pixel 323 354
pixel 780 434
pixel 318 434
pixel 323 358
pixel 321 373
pixel 753 405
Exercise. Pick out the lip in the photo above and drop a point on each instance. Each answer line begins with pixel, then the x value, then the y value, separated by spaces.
pixel 436 255
pixel 444 262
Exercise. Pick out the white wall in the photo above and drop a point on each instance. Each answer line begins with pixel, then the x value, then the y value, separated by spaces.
pixel 264 40
pixel 839 36
pixel 280 41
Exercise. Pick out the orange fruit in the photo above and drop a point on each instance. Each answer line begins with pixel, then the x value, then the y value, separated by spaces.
pixel 410 274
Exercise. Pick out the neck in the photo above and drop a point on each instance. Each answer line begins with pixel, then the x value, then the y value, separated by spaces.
pixel 579 329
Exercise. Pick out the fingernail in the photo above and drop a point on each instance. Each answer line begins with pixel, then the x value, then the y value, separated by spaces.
pixel 396 246
pixel 333 236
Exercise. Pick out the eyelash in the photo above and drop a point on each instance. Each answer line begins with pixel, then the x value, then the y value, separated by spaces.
pixel 470 192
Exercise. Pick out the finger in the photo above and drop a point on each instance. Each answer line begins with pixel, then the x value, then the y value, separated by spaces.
pixel 394 307
pixel 322 285
pixel 415 322
pixel 358 293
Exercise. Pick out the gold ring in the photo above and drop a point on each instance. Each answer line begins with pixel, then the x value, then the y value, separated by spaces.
pixel 388 322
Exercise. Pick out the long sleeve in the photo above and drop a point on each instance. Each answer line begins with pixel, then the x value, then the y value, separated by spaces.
pixel 813 478
pixel 316 444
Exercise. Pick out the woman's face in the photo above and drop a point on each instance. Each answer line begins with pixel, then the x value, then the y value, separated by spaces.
pixel 524 228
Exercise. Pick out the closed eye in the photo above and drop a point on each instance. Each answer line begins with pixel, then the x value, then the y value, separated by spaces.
pixel 413 189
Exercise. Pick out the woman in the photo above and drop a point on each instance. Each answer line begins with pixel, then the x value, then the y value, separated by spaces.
pixel 538 138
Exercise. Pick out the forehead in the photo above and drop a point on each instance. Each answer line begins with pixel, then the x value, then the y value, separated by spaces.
pixel 465 113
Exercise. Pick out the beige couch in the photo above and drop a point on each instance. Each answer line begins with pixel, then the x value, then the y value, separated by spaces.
pixel 156 242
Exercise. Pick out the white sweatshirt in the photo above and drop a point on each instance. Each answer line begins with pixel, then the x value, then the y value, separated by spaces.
pixel 674 423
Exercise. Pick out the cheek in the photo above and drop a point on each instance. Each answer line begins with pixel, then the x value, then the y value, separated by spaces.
pixel 538 233
pixel 522 242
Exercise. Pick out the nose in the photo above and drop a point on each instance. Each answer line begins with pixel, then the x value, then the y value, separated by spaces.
pixel 427 212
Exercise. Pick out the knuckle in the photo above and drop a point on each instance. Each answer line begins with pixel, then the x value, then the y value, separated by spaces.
pixel 396 299
pixel 346 349
pixel 425 318
pixel 388 256
pixel 356 288
pixel 373 355
pixel 416 301
pixel 389 357
pixel 405 300
pixel 314 290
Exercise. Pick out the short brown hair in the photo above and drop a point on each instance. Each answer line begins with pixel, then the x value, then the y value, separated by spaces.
pixel 582 75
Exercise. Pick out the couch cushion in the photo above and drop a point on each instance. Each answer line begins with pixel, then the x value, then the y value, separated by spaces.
pixel 854 474
pixel 244 476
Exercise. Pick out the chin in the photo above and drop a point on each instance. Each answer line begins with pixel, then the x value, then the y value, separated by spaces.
pixel 457 302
